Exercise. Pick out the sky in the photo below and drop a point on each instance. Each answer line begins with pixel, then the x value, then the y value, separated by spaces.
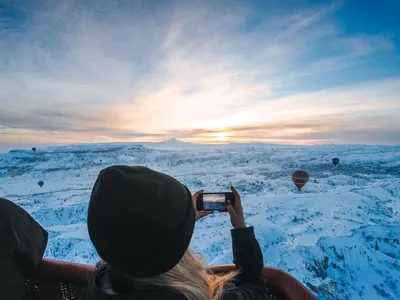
pixel 290 72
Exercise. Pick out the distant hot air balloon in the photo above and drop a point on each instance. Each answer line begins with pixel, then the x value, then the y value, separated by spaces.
pixel 101 160
pixel 33 149
pixel 300 178
pixel 335 161
pixel 12 175
pixel 40 183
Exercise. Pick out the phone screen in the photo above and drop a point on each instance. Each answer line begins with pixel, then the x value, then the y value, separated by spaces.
pixel 214 202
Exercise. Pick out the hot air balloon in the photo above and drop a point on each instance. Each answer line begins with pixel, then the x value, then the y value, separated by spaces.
pixel 300 178
pixel 33 149
pixel 335 161
pixel 12 175
pixel 40 183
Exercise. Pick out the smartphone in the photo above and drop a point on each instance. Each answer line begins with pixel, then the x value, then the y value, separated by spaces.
pixel 214 201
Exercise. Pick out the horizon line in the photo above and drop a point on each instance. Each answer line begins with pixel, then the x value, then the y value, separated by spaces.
pixel 144 144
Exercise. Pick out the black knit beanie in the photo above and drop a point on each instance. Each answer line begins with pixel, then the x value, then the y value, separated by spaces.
pixel 139 220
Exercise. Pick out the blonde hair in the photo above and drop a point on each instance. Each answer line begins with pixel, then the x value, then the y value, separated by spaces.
pixel 191 278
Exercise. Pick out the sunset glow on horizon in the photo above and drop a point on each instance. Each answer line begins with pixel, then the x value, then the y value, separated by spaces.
pixel 199 71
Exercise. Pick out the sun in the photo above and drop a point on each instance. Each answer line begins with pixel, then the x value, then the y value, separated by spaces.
pixel 221 136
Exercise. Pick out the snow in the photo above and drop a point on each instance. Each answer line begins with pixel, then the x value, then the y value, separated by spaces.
pixel 339 236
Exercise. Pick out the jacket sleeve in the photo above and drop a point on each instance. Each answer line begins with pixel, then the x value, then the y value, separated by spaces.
pixel 247 256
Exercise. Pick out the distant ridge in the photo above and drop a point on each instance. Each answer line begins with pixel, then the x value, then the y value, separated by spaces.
pixel 176 144
pixel 173 144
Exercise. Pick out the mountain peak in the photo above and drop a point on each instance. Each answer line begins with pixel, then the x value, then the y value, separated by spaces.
pixel 173 141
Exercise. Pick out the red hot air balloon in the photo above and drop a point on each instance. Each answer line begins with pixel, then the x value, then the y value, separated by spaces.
pixel 300 178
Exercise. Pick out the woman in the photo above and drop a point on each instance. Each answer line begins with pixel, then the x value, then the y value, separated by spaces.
pixel 141 223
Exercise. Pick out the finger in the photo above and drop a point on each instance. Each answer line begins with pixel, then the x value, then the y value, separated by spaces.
pixel 195 195
pixel 237 196
pixel 231 210
pixel 202 214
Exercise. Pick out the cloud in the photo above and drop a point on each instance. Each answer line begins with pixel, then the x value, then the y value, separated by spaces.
pixel 47 119
pixel 349 110
pixel 114 71
pixel 382 128
pixel 307 18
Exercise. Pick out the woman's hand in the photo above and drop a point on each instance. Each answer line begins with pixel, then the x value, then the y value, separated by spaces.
pixel 236 212
pixel 199 214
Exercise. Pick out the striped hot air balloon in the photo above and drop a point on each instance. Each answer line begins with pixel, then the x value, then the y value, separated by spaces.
pixel 300 178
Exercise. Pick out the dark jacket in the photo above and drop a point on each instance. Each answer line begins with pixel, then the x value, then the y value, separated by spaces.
pixel 22 244
pixel 249 284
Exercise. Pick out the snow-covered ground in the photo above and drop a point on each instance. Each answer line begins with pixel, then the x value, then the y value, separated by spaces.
pixel 339 236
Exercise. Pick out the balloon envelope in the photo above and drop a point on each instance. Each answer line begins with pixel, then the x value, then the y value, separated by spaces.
pixel 300 178
pixel 40 183
pixel 335 161
pixel 33 149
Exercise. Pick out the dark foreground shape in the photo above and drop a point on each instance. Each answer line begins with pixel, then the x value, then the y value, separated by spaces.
pixel 22 245
pixel 56 280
